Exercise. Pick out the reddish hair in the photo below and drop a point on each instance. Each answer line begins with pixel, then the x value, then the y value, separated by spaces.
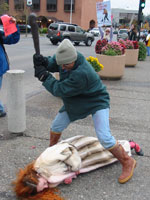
pixel 25 186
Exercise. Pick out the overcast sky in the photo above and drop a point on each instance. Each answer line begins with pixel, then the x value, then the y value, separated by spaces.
pixel 130 4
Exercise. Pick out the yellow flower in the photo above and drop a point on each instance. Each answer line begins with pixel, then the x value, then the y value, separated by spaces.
pixel 95 63
pixel 102 66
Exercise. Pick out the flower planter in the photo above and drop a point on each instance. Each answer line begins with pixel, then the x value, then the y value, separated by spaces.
pixel 131 57
pixel 113 66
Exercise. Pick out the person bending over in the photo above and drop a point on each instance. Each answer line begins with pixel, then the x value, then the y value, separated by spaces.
pixel 83 94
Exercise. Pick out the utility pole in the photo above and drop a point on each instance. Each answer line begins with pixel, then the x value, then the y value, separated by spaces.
pixel 70 11
pixel 28 3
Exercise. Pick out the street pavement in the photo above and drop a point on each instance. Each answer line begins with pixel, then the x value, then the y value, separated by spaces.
pixel 129 120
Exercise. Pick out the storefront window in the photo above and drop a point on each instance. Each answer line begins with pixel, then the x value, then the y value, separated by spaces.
pixel 18 4
pixel 36 5
pixel 67 5
pixel 52 5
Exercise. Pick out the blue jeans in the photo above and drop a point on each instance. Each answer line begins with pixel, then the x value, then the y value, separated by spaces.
pixel 148 51
pixel 101 124
pixel 1 105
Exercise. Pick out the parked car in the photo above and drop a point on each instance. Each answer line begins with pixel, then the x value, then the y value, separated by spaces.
pixel 22 28
pixel 122 34
pixel 115 32
pixel 95 31
pixel 1 28
pixel 143 34
pixel 60 30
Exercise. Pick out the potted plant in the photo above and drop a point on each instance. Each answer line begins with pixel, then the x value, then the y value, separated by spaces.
pixel 95 63
pixel 112 57
pixel 131 52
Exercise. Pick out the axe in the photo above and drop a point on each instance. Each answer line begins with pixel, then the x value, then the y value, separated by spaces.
pixel 35 32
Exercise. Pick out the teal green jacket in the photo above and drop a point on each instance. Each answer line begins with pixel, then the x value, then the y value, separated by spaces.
pixel 81 89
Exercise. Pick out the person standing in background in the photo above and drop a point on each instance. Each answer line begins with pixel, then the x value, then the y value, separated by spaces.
pixel 4 62
pixel 107 34
pixel 133 33
pixel 148 43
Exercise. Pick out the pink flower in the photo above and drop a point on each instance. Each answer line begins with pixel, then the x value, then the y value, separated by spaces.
pixel 135 44
pixel 99 45
pixel 112 48
pixel 129 44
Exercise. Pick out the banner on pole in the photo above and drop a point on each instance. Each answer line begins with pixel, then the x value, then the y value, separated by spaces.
pixel 103 10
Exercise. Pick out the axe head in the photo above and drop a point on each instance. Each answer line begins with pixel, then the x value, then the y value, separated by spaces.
pixel 32 19
pixel 35 32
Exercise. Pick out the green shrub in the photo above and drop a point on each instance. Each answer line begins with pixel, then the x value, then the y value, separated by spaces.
pixel 110 52
pixel 142 51
pixel 43 30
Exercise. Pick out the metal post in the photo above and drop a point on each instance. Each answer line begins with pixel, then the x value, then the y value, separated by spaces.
pixel 16 101
pixel 26 14
pixel 70 11
pixel 139 18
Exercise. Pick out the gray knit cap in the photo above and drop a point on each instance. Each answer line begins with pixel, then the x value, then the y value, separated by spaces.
pixel 66 53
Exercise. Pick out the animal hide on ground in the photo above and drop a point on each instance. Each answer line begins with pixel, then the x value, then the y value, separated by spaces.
pixel 80 154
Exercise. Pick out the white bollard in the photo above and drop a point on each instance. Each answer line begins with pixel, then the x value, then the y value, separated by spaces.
pixel 16 108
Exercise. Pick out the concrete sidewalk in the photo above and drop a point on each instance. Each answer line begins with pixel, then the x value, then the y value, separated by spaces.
pixel 130 116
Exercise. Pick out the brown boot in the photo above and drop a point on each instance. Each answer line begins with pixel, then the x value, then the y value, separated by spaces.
pixel 54 137
pixel 128 163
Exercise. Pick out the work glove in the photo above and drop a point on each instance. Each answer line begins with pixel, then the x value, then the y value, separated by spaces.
pixel 40 60
pixel 41 73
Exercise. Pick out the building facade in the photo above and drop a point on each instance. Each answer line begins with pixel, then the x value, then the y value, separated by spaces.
pixel 123 16
pixel 81 12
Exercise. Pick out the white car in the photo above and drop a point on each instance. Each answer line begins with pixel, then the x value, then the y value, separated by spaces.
pixel 122 34
pixel 1 28
pixel 143 34
pixel 95 31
